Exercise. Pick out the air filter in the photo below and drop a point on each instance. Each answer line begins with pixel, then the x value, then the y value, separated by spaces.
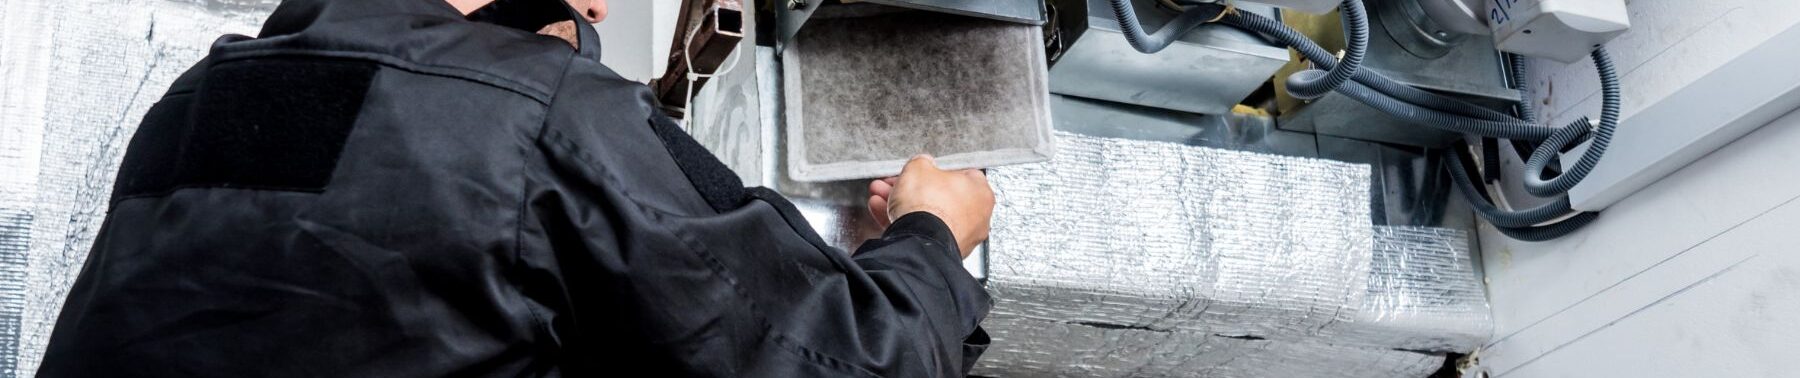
pixel 868 87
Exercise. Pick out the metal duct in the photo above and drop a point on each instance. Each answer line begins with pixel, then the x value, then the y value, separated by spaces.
pixel 1131 258
pixel 79 76
pixel 1162 236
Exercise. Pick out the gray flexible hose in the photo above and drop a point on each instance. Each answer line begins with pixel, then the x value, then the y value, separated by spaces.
pixel 1161 38
pixel 1308 84
pixel 1520 225
pixel 1279 33
pixel 1550 231
pixel 1429 109
pixel 1388 96
pixel 1527 109
pixel 1314 83
pixel 1442 120
pixel 1493 214
pixel 1609 120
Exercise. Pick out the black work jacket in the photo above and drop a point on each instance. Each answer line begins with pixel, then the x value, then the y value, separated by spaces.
pixel 386 188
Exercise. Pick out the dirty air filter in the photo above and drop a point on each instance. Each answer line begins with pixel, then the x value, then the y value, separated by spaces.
pixel 868 87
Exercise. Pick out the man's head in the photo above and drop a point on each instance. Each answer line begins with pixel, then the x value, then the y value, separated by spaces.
pixel 593 10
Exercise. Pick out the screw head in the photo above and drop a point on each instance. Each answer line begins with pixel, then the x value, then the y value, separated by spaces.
pixel 796 4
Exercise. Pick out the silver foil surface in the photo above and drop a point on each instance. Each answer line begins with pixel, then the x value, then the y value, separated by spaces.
pixel 1423 294
pixel 1130 258
pixel 1161 236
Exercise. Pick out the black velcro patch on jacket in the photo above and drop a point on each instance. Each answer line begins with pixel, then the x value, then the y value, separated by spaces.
pixel 150 160
pixel 717 183
pixel 275 123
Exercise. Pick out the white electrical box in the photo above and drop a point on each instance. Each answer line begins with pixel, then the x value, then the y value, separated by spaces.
pixel 1561 30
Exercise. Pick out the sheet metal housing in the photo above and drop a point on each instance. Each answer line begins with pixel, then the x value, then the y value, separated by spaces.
pixel 1467 68
pixel 1207 71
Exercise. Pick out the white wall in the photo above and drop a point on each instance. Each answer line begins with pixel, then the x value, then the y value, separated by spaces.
pixel 1695 275
pixel 635 37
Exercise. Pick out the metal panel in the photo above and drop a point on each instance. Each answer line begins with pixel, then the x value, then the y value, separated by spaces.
pixel 1241 132
pixel 1030 12
pixel 792 15
pixel 1411 187
pixel 1208 71
pixel 1733 100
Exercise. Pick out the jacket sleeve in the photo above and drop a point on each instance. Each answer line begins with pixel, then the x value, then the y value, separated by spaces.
pixel 652 266
pixel 918 250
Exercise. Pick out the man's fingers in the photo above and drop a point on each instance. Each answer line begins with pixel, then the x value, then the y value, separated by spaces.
pixel 881 188
pixel 878 208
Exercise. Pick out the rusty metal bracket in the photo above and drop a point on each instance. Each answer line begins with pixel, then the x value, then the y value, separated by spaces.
pixel 707 32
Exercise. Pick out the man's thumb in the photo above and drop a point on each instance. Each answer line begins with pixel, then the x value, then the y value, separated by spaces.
pixel 919 163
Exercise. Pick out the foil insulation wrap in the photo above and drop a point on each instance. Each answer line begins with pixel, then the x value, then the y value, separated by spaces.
pixel 1423 293
pixel 1130 258
pixel 79 75
pixel 1160 236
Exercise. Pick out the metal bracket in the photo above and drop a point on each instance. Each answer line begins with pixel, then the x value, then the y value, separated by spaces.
pixel 792 15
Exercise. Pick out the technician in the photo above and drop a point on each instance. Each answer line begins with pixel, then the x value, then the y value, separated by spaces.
pixel 426 188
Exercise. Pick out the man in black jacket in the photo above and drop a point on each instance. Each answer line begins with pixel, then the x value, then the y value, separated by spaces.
pixel 388 188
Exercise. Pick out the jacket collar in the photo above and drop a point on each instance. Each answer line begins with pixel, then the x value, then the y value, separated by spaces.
pixel 296 16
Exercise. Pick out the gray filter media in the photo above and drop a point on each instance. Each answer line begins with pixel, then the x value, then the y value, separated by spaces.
pixel 1130 258
pixel 867 92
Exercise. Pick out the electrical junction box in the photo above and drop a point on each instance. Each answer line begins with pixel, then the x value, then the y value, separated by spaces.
pixel 1561 30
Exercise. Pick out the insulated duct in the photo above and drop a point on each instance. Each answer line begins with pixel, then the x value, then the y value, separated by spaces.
pixel 1130 258
pixel 1163 237
pixel 79 76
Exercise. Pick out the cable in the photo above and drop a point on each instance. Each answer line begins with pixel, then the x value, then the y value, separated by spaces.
pixel 1521 225
pixel 1160 39
pixel 1550 231
pixel 1459 175
pixel 1404 102
pixel 1314 83
pixel 1418 106
pixel 1527 110
pixel 1307 84
pixel 1602 136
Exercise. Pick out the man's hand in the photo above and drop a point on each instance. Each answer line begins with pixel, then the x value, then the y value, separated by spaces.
pixel 962 199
